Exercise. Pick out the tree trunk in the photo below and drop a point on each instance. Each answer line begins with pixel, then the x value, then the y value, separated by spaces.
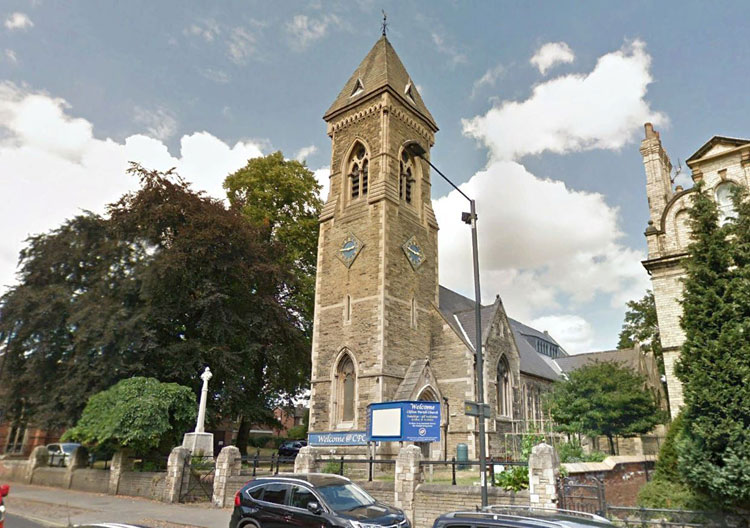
pixel 611 444
pixel 243 435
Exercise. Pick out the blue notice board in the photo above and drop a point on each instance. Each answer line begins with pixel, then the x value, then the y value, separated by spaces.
pixel 404 421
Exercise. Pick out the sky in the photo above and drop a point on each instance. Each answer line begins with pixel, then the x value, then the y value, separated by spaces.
pixel 540 105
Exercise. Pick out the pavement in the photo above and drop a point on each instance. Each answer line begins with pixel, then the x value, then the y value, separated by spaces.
pixel 52 507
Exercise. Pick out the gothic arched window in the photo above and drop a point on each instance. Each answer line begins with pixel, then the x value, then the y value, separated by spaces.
pixel 725 202
pixel 406 177
pixel 346 378
pixel 359 168
pixel 504 393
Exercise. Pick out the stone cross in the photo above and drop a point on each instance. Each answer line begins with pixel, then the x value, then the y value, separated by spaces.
pixel 201 422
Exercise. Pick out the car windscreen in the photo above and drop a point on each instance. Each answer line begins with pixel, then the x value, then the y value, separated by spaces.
pixel 345 497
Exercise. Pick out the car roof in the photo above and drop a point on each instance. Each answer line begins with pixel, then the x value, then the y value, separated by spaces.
pixel 526 516
pixel 315 479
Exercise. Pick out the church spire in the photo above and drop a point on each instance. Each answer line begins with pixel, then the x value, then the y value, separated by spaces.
pixel 381 70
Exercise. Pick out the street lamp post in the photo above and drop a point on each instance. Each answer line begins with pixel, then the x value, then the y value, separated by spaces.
pixel 470 218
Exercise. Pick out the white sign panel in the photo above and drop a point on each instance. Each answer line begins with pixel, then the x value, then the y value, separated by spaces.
pixel 386 422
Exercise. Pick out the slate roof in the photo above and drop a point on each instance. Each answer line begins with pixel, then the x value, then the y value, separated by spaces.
pixel 381 70
pixel 629 357
pixel 459 312
pixel 409 383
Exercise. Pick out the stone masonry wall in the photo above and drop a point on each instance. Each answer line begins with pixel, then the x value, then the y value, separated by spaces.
pixel 433 500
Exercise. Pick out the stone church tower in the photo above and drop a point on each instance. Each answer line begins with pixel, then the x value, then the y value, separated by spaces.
pixel 384 329
pixel 377 251
pixel 720 163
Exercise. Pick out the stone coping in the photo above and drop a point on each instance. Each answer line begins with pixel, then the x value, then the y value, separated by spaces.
pixel 607 464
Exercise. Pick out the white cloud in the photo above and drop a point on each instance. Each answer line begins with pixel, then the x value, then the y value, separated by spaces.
pixel 551 54
pixel 217 76
pixel 323 176
pixel 242 45
pixel 604 109
pixel 456 57
pixel 54 166
pixel 542 245
pixel 160 123
pixel 305 30
pixel 208 30
pixel 573 332
pixel 11 56
pixel 18 21
pixel 489 79
pixel 303 153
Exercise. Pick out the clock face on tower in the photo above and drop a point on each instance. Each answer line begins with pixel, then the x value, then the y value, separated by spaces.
pixel 414 252
pixel 350 248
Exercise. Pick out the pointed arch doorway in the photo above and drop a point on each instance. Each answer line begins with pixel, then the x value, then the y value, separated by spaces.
pixel 427 394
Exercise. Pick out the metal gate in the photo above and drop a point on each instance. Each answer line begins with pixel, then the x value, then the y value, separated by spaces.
pixel 198 479
pixel 584 497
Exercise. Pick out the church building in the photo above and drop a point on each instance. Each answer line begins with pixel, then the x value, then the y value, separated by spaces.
pixel 384 328
pixel 721 163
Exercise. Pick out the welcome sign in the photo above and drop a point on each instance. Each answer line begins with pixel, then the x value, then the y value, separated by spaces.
pixel 337 438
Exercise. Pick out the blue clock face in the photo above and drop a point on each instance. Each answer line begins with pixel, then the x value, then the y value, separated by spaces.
pixel 414 252
pixel 349 249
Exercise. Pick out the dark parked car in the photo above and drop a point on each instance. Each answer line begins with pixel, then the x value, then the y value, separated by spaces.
pixel 520 517
pixel 312 500
pixel 291 448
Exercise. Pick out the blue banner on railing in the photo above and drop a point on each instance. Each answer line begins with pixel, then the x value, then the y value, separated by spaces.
pixel 334 438
pixel 407 421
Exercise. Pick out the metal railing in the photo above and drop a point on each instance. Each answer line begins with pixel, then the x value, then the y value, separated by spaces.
pixel 338 464
pixel 459 465
pixel 257 465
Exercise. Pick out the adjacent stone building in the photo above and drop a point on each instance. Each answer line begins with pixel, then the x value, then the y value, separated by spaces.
pixel 720 163
pixel 384 328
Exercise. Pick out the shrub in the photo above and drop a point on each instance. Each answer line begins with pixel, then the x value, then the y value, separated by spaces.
pixel 515 478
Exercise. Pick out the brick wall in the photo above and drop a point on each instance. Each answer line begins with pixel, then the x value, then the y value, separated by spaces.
pixel 433 500
pixel 623 476
pixel 381 491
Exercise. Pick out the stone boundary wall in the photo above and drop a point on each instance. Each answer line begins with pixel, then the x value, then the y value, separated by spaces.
pixel 92 480
pixel 380 491
pixel 50 476
pixel 148 484
pixel 433 500
pixel 13 470
pixel 623 476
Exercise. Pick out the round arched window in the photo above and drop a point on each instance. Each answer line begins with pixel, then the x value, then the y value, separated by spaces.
pixel 725 202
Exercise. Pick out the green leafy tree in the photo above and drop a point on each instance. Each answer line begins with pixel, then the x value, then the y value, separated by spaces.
pixel 604 398
pixel 142 414
pixel 641 326
pixel 168 282
pixel 282 199
pixel 714 365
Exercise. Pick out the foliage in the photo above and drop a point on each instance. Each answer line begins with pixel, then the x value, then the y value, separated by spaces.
pixel 714 449
pixel 298 432
pixel 514 478
pixel 332 466
pixel 283 198
pixel 528 442
pixel 603 398
pixel 573 452
pixel 138 413
pixel 667 488
pixel 641 326
pixel 169 282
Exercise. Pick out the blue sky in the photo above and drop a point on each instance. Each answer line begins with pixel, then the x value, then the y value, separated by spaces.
pixel 549 147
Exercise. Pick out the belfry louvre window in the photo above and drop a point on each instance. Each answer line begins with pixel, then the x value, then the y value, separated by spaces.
pixel 359 168
pixel 405 178
pixel 345 390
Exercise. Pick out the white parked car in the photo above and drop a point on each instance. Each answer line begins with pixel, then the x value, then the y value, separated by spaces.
pixel 60 454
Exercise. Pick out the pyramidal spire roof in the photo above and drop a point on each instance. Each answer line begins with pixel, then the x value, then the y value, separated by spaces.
pixel 380 70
